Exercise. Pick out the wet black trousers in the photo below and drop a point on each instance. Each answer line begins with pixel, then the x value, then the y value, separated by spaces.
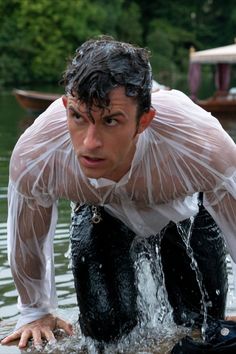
pixel 104 274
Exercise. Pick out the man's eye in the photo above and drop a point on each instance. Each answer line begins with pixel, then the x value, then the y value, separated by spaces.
pixel 110 121
pixel 74 114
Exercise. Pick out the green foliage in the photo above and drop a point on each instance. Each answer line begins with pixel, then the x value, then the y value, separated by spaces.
pixel 169 46
pixel 129 25
pixel 37 37
pixel 162 51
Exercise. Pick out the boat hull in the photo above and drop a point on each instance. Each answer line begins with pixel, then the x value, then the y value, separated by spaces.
pixel 34 101
pixel 219 107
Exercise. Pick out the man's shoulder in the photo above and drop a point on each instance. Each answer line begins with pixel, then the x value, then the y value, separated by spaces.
pixel 174 108
pixel 168 97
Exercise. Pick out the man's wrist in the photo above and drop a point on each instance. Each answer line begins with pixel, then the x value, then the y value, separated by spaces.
pixel 30 314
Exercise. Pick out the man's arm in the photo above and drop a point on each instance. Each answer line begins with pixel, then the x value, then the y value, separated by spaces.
pixel 222 206
pixel 202 157
pixel 32 216
pixel 31 229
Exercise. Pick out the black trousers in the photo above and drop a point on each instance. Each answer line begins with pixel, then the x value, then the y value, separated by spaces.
pixel 104 273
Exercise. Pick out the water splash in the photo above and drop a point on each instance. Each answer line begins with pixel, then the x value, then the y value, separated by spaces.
pixel 185 231
pixel 156 331
pixel 139 341
pixel 152 301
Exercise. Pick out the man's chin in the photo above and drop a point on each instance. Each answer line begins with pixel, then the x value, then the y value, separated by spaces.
pixel 98 173
pixel 92 174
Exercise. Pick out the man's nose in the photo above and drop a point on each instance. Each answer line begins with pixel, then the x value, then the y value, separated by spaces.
pixel 93 137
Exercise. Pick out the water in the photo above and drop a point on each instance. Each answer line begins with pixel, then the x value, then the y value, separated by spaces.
pixel 151 338
pixel 186 236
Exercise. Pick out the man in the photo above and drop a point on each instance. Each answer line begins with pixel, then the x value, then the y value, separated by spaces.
pixel 117 153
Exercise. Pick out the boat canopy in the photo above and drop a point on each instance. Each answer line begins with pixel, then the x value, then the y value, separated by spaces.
pixel 226 54
pixel 222 57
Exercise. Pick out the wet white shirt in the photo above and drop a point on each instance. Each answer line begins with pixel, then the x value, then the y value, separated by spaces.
pixel 185 150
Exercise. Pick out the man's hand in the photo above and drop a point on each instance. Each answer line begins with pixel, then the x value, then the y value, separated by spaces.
pixel 39 329
pixel 230 318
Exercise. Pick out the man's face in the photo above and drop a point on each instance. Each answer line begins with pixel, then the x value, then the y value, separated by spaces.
pixel 106 147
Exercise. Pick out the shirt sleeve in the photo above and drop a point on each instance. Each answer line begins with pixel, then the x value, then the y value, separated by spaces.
pixel 32 213
pixel 202 158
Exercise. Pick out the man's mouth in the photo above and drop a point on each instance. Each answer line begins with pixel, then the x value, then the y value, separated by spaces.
pixel 90 161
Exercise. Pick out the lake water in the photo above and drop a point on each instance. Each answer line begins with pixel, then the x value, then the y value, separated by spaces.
pixel 13 121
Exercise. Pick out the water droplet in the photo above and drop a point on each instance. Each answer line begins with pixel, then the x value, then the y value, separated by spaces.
pixel 217 292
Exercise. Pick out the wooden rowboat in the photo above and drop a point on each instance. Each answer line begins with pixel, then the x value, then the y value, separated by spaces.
pixel 34 101
pixel 223 103
pixel 220 106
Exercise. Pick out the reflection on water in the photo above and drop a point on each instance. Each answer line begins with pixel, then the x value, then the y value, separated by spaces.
pixel 159 339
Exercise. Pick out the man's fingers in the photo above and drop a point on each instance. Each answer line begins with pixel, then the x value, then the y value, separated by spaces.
pixel 39 329
pixel 66 326
pixel 49 336
pixel 230 318
pixel 25 336
pixel 37 337
pixel 14 336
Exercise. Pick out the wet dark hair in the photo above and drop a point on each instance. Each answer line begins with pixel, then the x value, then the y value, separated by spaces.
pixel 103 64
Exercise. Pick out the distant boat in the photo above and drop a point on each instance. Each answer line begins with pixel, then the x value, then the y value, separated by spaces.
pixel 34 101
pixel 223 103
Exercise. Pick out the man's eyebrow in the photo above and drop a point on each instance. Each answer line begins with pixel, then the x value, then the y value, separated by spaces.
pixel 112 115
pixel 70 106
pixel 74 110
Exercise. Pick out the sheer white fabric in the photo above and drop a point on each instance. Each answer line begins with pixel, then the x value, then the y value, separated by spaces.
pixel 184 151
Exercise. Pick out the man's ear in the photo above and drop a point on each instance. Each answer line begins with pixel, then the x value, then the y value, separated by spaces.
pixel 146 119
